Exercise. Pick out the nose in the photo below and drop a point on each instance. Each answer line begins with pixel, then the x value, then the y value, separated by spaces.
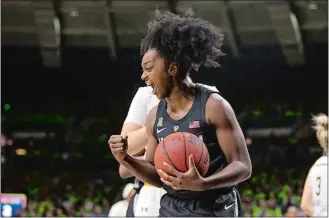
pixel 144 76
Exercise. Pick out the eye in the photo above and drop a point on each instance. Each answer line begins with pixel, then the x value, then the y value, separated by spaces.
pixel 148 69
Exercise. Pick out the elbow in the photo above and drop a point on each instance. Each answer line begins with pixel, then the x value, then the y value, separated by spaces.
pixel 124 173
pixel 248 168
pixel 305 209
pixel 248 172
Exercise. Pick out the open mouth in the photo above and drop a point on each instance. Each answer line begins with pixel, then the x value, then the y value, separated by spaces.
pixel 150 84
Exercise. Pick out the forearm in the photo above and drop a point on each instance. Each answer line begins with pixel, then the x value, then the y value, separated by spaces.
pixel 124 172
pixel 143 170
pixel 231 175
pixel 136 141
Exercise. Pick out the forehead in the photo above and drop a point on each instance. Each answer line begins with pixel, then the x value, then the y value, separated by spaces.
pixel 149 56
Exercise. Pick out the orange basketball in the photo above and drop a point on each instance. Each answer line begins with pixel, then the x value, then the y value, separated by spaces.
pixel 175 150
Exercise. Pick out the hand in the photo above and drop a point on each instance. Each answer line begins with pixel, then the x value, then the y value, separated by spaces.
pixel 118 146
pixel 191 180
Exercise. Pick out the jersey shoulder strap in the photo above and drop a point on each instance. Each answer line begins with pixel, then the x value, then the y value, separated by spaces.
pixel 205 92
pixel 158 118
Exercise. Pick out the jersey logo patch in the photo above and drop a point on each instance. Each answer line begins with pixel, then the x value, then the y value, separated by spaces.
pixel 194 125
pixel 176 128
pixel 160 122
pixel 160 130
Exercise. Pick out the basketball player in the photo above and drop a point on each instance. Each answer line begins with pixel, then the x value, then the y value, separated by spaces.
pixel 173 47
pixel 147 198
pixel 315 193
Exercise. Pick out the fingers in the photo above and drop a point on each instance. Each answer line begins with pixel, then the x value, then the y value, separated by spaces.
pixel 117 150
pixel 191 162
pixel 166 176
pixel 117 141
pixel 171 184
pixel 172 181
pixel 171 169
pixel 117 145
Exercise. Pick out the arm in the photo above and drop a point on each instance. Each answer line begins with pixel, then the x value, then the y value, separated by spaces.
pixel 144 170
pixel 307 198
pixel 135 122
pixel 124 172
pixel 134 128
pixel 232 142
pixel 137 139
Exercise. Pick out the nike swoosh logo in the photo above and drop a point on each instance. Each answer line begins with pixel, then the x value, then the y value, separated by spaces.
pixel 160 130
pixel 227 207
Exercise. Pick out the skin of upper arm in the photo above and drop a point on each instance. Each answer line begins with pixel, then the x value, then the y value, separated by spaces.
pixel 307 198
pixel 152 141
pixel 229 134
pixel 134 123
pixel 129 127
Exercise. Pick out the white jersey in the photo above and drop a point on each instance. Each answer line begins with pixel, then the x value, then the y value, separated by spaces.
pixel 148 201
pixel 318 179
pixel 141 106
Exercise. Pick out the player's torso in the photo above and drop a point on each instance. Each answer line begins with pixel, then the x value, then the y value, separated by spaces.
pixel 193 122
pixel 319 181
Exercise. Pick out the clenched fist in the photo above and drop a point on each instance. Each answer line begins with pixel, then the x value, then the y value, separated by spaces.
pixel 119 146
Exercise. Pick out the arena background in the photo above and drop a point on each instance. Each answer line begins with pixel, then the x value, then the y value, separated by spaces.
pixel 71 68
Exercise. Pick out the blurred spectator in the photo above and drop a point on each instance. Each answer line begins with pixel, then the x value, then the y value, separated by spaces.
pixel 120 208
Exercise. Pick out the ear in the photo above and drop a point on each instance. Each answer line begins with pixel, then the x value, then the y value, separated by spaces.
pixel 173 69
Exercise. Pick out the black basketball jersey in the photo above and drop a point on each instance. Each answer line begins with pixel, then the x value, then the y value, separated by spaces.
pixel 193 122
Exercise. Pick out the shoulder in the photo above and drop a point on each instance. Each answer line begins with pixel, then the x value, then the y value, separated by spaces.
pixel 219 111
pixel 216 101
pixel 144 92
pixel 319 163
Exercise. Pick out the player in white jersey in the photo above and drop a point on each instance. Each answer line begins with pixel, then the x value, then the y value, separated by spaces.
pixel 147 202
pixel 315 193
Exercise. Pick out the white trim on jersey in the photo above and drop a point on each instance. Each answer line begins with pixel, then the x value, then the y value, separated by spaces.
pixel 236 209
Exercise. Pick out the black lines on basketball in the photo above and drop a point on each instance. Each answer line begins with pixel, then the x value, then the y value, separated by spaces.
pixel 185 153
pixel 200 157
pixel 164 148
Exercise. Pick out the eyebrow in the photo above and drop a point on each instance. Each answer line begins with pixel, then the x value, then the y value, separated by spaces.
pixel 145 62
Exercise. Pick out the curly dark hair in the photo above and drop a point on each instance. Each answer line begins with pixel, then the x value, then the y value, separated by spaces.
pixel 189 42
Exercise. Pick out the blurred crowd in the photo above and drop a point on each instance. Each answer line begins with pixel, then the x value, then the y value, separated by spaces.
pixel 74 180
pixel 70 194
pixel 274 193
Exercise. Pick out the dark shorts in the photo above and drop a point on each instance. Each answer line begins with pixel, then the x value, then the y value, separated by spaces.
pixel 225 205
pixel 130 210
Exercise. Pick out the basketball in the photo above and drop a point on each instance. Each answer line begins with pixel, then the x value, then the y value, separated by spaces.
pixel 176 148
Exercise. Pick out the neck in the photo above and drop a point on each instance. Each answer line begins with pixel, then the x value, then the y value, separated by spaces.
pixel 181 95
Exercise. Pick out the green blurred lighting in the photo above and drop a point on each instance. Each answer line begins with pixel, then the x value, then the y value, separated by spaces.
pixel 256 112
pixel 6 107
